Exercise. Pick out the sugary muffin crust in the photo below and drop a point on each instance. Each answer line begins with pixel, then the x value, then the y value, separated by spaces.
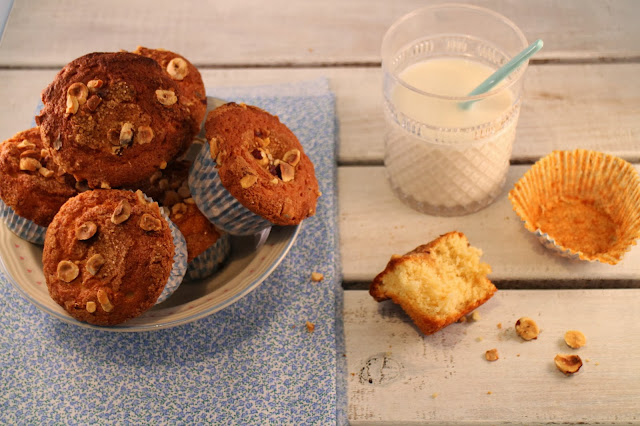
pixel 107 256
pixel 185 74
pixel 114 118
pixel 262 163
pixel 30 181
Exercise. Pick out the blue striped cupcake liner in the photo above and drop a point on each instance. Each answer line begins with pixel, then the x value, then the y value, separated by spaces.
pixel 216 203
pixel 179 268
pixel 23 228
pixel 209 261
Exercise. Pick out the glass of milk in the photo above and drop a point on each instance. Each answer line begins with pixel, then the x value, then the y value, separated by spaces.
pixel 441 158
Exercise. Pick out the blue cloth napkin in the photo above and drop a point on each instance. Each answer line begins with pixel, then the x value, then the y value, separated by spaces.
pixel 252 363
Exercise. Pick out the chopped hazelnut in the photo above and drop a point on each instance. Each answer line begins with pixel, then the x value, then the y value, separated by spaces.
pixel 94 263
pixel 150 223
pixel 67 271
pixel 104 301
pixel 86 231
pixel 57 144
pixel 292 157
pixel 317 276
pixel 527 328
pixel 126 134
pixel 260 155
pixel 189 201
pixel 177 68
pixel 45 172
pixel 575 339
pixel 287 171
pixel 93 102
pixel 78 91
pixel 144 135
pixel 94 85
pixel 91 307
pixel 475 315
pixel 568 364
pixel 72 105
pixel 30 153
pixel 310 327
pixel 179 208
pixel 492 355
pixel 141 197
pixel 163 165
pixel 166 97
pixel 105 185
pixel 214 148
pixel 26 144
pixel 29 164
pixel 248 180
pixel 121 213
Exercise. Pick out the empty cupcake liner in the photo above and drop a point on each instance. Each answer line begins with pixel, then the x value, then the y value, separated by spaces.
pixel 216 203
pixel 23 228
pixel 209 261
pixel 581 204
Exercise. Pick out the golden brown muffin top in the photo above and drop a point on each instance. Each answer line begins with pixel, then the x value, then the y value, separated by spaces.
pixel 114 118
pixel 107 256
pixel 262 163
pixel 171 189
pixel 30 181
pixel 185 74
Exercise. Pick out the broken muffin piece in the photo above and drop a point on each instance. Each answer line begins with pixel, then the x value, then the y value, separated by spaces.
pixel 437 283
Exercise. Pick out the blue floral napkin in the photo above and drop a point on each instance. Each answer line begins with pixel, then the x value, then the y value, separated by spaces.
pixel 254 362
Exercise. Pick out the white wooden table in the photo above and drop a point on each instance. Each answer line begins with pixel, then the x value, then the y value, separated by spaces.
pixel 581 91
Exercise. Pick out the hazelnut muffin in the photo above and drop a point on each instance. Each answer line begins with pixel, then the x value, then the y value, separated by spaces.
pixel 108 255
pixel 186 76
pixel 207 247
pixel 32 186
pixel 114 118
pixel 253 174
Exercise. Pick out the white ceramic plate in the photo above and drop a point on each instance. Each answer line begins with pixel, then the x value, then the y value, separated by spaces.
pixel 251 261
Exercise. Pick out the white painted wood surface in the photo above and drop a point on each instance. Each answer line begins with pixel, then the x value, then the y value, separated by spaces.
pixel 581 91
pixel 445 379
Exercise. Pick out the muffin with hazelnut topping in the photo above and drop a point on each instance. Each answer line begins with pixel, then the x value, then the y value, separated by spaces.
pixel 253 173
pixel 186 76
pixel 207 247
pixel 32 186
pixel 114 118
pixel 109 256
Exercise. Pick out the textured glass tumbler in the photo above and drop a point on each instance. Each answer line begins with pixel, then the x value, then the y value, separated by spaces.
pixel 434 166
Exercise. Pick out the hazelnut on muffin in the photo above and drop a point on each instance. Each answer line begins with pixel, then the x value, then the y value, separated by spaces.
pixel 254 172
pixel 207 247
pixel 108 255
pixel 186 76
pixel 114 118
pixel 32 186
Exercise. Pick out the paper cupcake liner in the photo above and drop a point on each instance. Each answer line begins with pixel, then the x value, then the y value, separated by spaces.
pixel 591 187
pixel 216 203
pixel 23 228
pixel 179 268
pixel 209 261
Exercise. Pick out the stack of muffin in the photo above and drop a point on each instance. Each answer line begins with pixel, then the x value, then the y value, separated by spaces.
pixel 102 181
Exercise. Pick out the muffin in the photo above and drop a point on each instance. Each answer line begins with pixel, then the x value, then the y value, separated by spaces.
pixel 32 186
pixel 186 76
pixel 207 247
pixel 437 283
pixel 581 204
pixel 114 118
pixel 108 255
pixel 253 173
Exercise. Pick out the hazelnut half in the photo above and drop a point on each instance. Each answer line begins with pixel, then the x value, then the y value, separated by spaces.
pixel 78 91
pixel 91 307
pixel 177 68
pixel 94 85
pixel 126 134
pixel 568 364
pixel 93 102
pixel 94 263
pixel 292 157
pixel 575 339
pixel 26 144
pixel 527 328
pixel 45 172
pixel 247 181
pixel 166 97
pixel 67 271
pixel 86 231
pixel 144 135
pixel 287 172
pixel 29 164
pixel 72 105
pixel 150 223
pixel 121 213
pixel 492 355
pixel 103 299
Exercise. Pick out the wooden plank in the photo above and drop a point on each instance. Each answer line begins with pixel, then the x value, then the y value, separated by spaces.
pixel 245 32
pixel 558 112
pixel 374 224
pixel 398 376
